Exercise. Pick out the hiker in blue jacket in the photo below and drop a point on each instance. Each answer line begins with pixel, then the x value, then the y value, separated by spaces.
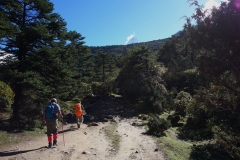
pixel 51 113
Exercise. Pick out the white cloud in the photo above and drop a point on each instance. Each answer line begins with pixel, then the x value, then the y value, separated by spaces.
pixel 129 38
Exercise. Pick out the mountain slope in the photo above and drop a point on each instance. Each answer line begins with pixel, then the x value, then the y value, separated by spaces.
pixel 154 46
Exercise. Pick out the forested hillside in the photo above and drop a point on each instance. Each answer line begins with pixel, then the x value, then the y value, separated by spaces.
pixel 123 49
pixel 189 83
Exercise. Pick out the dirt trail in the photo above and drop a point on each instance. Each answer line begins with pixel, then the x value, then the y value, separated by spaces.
pixel 105 120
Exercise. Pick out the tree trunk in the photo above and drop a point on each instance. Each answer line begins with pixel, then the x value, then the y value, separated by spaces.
pixel 17 99
pixel 18 79
pixel 103 69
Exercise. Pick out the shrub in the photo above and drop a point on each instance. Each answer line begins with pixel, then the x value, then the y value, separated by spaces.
pixel 32 113
pixel 228 139
pixel 175 120
pixel 99 88
pixel 157 125
pixel 181 102
pixel 6 95
pixel 209 152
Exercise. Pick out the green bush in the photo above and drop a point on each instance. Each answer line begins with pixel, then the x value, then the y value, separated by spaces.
pixel 6 95
pixel 157 125
pixel 181 102
pixel 209 152
pixel 99 88
pixel 195 129
pixel 228 139
pixel 32 113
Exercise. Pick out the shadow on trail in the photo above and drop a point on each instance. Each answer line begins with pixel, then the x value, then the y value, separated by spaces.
pixel 13 152
pixel 104 109
pixel 67 130
pixel 107 108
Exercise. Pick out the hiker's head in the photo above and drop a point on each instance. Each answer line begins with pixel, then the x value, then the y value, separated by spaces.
pixel 54 100
pixel 79 101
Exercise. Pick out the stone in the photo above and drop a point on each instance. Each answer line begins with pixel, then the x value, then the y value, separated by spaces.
pixel 86 152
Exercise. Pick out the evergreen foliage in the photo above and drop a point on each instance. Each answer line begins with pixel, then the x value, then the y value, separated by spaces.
pixel 123 49
pixel 179 59
pixel 209 152
pixel 216 104
pixel 193 75
pixel 6 96
pixel 157 125
pixel 86 67
pixel 105 66
pixel 181 101
pixel 216 37
pixel 140 79
pixel 46 54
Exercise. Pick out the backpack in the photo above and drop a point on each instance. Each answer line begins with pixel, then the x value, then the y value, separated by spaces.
pixel 50 112
pixel 78 109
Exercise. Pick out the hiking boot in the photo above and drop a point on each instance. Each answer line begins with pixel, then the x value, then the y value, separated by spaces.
pixel 49 145
pixel 54 142
pixel 78 125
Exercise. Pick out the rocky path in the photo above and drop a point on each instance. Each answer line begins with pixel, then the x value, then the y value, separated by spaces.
pixel 107 134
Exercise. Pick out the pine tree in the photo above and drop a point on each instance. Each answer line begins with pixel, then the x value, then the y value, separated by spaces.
pixel 105 66
pixel 216 36
pixel 45 53
pixel 140 79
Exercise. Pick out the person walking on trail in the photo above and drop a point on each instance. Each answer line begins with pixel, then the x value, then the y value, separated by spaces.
pixel 78 111
pixel 51 113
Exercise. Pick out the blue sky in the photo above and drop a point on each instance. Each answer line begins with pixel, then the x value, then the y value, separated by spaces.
pixel 113 22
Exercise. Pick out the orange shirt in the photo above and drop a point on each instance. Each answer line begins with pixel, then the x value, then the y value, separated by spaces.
pixel 78 109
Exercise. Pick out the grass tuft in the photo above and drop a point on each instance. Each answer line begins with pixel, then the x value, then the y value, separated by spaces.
pixel 112 136
pixel 175 149
pixel 6 138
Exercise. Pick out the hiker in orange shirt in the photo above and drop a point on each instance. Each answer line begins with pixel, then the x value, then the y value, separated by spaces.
pixel 78 107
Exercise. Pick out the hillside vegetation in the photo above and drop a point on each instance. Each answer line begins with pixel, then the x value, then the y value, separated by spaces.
pixel 123 49
pixel 186 87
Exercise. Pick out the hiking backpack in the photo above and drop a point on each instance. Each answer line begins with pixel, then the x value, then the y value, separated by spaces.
pixel 78 109
pixel 50 112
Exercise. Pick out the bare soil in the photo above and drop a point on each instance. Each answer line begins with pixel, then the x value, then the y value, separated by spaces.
pixel 106 134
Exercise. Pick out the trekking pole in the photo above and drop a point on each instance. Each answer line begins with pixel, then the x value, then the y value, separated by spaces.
pixel 63 132
pixel 63 135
